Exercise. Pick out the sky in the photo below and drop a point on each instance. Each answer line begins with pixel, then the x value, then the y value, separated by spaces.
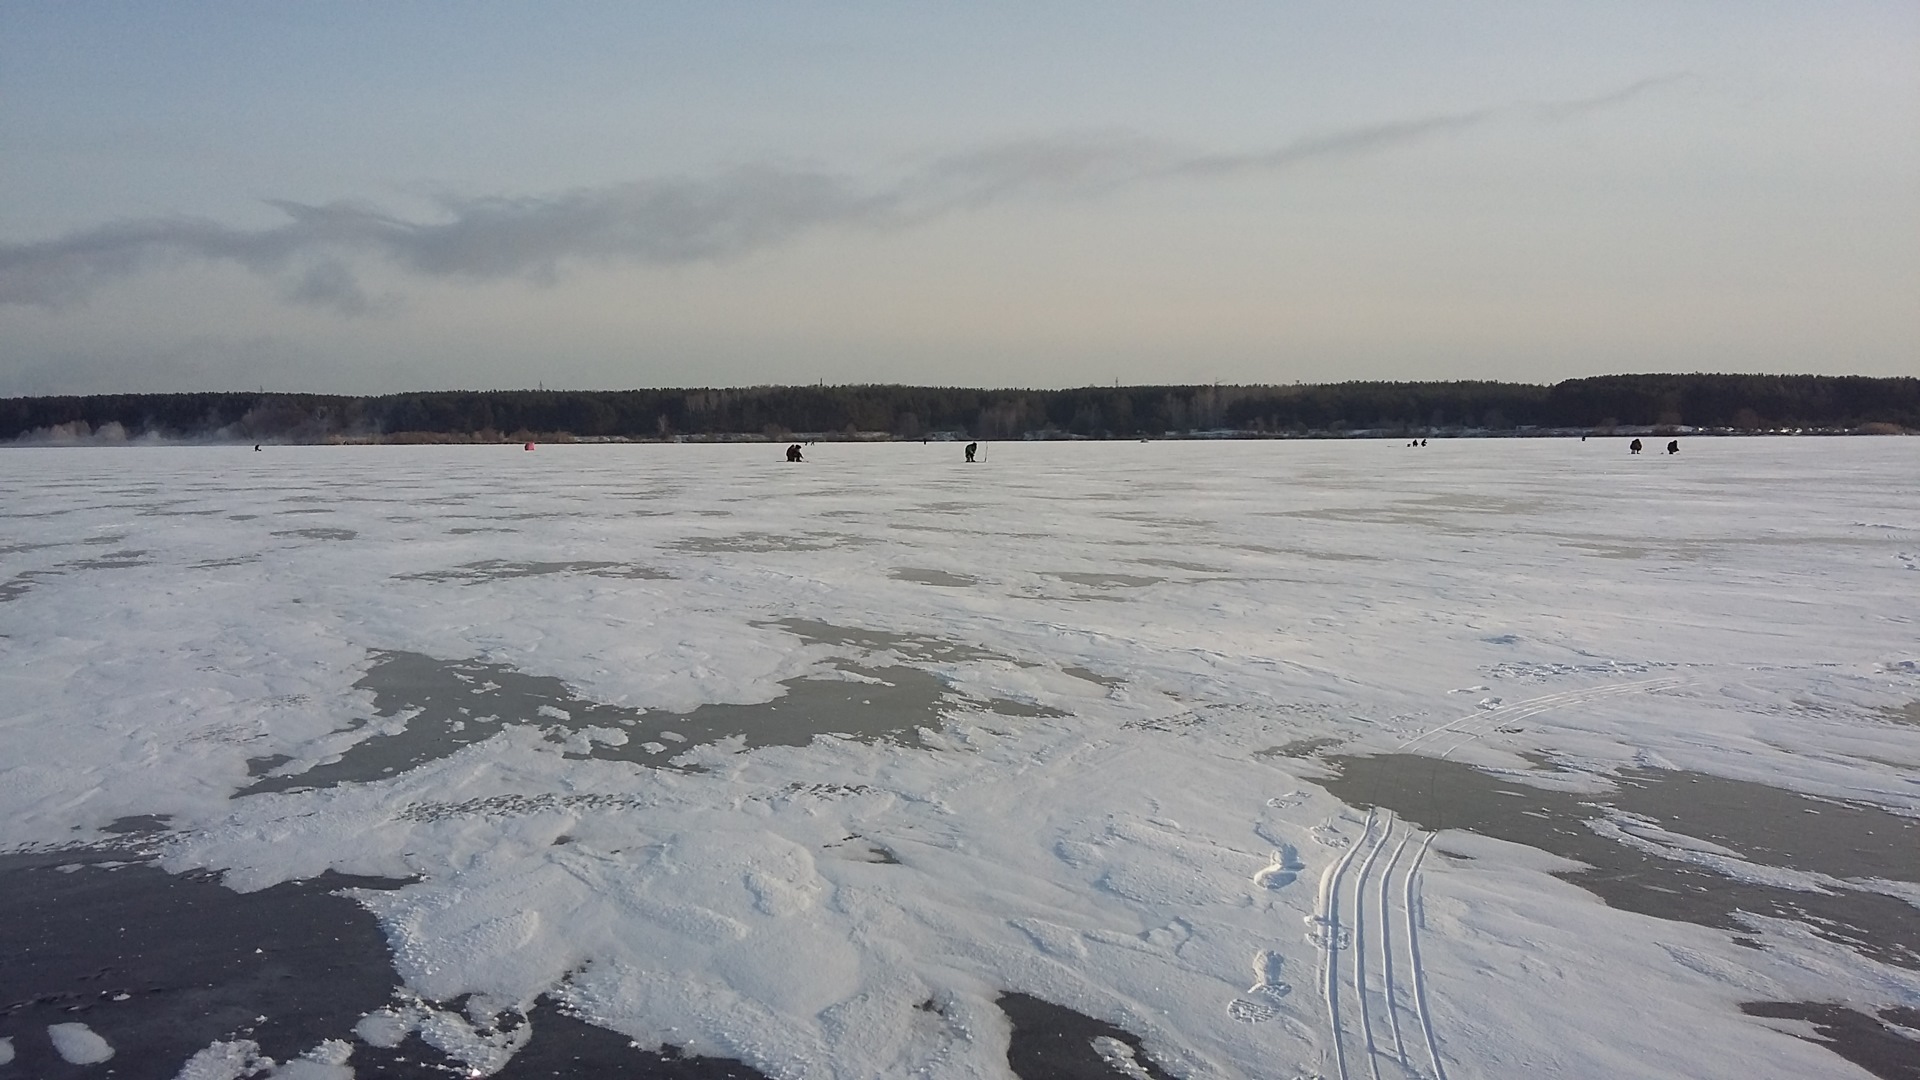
pixel 361 198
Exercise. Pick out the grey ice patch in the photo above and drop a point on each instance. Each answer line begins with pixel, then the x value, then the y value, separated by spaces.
pixel 1109 581
pixel 908 646
pixel 1299 748
pixel 1178 564
pixel 222 564
pixel 1309 553
pixel 1052 1040
pixel 758 543
pixel 446 705
pixel 138 824
pixel 319 533
pixel 22 584
pixel 1610 551
pixel 941 578
pixel 1887 1045
pixel 116 560
pixel 1765 825
pixel 485 570
pixel 1903 714
pixel 1092 676
pixel 1009 707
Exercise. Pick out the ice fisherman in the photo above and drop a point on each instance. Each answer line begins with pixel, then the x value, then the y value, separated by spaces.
pixel 1633 447
pixel 1673 447
pixel 971 448
pixel 793 453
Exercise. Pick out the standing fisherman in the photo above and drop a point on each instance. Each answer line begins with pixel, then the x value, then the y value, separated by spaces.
pixel 971 447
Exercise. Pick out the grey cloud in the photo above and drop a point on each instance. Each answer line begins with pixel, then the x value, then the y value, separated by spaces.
pixel 665 221
pixel 330 283
pixel 1370 137
pixel 1336 143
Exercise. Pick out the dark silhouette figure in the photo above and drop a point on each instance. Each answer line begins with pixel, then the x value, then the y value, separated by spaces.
pixel 971 447
pixel 793 453
pixel 1423 442
pixel 256 448
pixel 1673 447
pixel 1634 447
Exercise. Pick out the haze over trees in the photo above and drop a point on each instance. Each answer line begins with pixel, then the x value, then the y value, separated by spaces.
pixel 1729 402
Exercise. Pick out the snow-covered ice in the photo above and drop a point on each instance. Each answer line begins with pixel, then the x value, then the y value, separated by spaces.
pixel 77 1044
pixel 1053 724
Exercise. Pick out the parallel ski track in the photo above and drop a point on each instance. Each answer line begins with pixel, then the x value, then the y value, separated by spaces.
pixel 1362 928
pixel 1410 898
pixel 1346 887
pixel 1360 945
pixel 1329 927
pixel 1386 948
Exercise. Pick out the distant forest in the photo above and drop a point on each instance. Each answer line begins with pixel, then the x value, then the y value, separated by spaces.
pixel 1731 403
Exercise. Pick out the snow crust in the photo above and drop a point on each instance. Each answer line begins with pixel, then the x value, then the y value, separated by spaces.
pixel 1102 811
pixel 77 1044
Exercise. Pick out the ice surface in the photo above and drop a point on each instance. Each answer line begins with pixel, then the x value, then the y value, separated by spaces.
pixel 811 765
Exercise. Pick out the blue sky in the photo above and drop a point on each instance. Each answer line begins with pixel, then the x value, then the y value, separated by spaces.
pixel 366 198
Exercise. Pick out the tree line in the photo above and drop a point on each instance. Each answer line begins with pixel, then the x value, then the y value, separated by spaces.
pixel 1733 402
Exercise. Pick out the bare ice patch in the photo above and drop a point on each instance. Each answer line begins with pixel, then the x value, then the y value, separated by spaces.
pixel 924 576
pixel 1847 844
pixel 485 570
pixel 426 708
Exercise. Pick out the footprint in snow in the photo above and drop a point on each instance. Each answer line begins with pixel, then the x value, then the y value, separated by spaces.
pixel 1326 836
pixel 1251 1012
pixel 1171 936
pixel 1266 976
pixel 1324 937
pixel 1282 871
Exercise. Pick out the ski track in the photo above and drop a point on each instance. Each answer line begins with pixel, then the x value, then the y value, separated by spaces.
pixel 1359 929
pixel 1467 729
pixel 1330 932
pixel 1360 943
pixel 1387 986
pixel 1408 906
pixel 1346 919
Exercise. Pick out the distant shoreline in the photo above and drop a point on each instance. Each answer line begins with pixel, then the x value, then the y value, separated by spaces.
pixel 1656 405
pixel 567 439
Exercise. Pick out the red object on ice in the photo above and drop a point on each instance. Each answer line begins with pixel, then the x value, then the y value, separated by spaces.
pixel 529 446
